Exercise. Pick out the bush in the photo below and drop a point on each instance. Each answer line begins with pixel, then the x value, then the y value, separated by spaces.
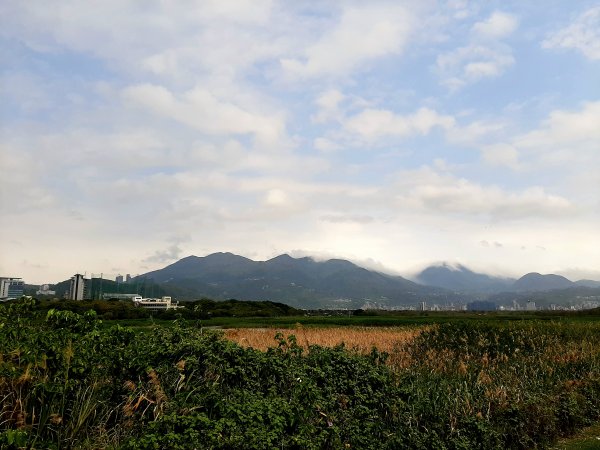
pixel 67 382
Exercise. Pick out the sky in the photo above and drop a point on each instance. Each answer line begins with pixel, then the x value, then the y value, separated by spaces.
pixel 393 134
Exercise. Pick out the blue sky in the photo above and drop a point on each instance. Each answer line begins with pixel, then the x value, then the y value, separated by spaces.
pixel 395 134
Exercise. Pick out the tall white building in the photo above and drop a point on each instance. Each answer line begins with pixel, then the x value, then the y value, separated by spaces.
pixel 11 287
pixel 78 290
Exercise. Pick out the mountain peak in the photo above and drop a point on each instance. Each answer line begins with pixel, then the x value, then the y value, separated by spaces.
pixel 460 278
pixel 281 258
pixel 223 255
pixel 340 263
pixel 532 275
pixel 298 281
pixel 535 281
pixel 189 258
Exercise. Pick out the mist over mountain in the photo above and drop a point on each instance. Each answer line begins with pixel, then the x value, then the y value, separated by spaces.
pixel 460 278
pixel 588 283
pixel 301 282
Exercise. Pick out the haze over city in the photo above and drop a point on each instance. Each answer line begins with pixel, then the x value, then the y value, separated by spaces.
pixel 393 134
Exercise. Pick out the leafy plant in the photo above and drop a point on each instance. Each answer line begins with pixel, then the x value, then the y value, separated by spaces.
pixel 67 381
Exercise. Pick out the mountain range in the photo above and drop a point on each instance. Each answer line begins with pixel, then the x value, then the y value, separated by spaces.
pixel 301 282
pixel 336 283
pixel 460 278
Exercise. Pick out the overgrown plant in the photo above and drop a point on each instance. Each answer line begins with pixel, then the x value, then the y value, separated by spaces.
pixel 66 382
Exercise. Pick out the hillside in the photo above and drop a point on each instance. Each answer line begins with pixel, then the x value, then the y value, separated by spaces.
pixel 461 279
pixel 538 282
pixel 588 283
pixel 300 282
pixel 335 283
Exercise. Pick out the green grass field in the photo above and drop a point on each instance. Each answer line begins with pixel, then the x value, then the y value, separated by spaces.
pixel 383 319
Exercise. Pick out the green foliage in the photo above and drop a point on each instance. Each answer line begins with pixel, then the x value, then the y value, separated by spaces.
pixel 105 309
pixel 207 308
pixel 526 384
pixel 66 381
pixel 201 309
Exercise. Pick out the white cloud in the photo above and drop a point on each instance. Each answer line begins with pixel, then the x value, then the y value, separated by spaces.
pixel 498 25
pixel 460 9
pixel 25 91
pixel 563 147
pixel 567 129
pixel 362 34
pixel 277 197
pixel 582 34
pixel 427 190
pixel 93 152
pixel 580 273
pixel 21 189
pixel 375 123
pixel 328 104
pixel 339 218
pixel 567 139
pixel 501 155
pixel 132 34
pixel 202 110
pixel 172 253
pixel 217 141
pixel 473 63
pixel 484 56
pixel 326 145
pixel 475 132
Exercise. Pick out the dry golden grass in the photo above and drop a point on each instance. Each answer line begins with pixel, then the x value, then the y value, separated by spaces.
pixel 361 339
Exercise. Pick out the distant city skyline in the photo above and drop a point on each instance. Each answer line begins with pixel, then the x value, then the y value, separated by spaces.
pixel 394 134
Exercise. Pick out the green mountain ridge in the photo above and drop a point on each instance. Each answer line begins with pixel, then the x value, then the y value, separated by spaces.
pixel 462 279
pixel 299 282
pixel 335 283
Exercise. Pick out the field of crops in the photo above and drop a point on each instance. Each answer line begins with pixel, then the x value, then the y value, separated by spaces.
pixel 67 381
pixel 361 339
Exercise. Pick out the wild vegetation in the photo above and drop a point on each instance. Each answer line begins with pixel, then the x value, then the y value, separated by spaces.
pixel 358 339
pixel 200 309
pixel 68 382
